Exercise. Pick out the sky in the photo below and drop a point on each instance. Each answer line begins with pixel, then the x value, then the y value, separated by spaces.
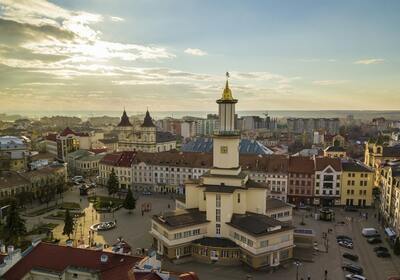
pixel 172 55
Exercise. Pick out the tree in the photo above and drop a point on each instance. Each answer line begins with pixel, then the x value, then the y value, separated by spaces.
pixel 48 194
pixel 112 183
pixel 68 224
pixel 15 225
pixel 130 201
pixel 24 197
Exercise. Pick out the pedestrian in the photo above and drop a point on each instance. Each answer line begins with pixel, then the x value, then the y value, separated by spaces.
pixel 326 274
pixel 169 206
pixel 115 221
pixel 142 212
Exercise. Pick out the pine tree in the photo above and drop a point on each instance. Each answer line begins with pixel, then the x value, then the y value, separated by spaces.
pixel 15 225
pixel 130 201
pixel 396 248
pixel 112 183
pixel 68 224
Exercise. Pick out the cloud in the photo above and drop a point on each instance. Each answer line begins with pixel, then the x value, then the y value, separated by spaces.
pixel 195 52
pixel 116 19
pixel 369 61
pixel 329 82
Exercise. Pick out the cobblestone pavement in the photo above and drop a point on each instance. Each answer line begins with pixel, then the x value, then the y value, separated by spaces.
pixel 134 229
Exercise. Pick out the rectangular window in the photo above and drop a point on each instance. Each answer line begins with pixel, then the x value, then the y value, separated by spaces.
pixel 264 243
pixel 218 229
pixel 238 197
pixel 218 200
pixel 218 215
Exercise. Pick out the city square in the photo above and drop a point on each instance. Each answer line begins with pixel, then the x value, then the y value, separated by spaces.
pixel 134 228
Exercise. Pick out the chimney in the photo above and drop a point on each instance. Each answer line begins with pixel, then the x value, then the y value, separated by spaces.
pixel 10 249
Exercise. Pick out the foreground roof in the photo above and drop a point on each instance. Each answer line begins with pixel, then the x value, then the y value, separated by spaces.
pixel 58 258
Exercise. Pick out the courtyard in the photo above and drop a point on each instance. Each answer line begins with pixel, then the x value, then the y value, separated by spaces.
pixel 134 229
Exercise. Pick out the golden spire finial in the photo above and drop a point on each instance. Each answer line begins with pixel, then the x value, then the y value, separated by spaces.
pixel 227 94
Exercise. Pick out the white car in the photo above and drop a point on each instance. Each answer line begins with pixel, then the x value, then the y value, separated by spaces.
pixel 355 277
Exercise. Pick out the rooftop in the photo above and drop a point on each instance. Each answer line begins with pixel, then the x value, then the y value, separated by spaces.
pixel 11 179
pixel 257 224
pixel 43 257
pixel 179 219
pixel 355 166
pixel 246 146
pixel 335 149
pixel 273 203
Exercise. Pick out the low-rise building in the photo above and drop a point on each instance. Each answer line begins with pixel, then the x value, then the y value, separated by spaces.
pixel 12 183
pixel 357 184
pixel 83 162
pixel 376 151
pixel 327 188
pixel 301 180
pixel 13 153
pixel 121 163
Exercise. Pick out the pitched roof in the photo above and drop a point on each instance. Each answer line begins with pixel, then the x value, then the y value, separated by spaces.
pixel 355 166
pixel 391 151
pixel 322 162
pixel 335 149
pixel 68 131
pixel 205 145
pixel 44 256
pixel 147 122
pixel 51 137
pixel 301 165
pixel 124 120
pixel 12 179
pixel 119 159
pixel 164 136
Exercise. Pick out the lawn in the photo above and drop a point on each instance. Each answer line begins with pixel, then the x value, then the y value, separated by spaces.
pixel 60 215
pixel 70 206
pixel 40 211
pixel 42 228
pixel 102 203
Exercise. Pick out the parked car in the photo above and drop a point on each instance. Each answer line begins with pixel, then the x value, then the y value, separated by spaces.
pixel 350 256
pixel 353 268
pixel 374 240
pixel 352 276
pixel 383 254
pixel 344 237
pixel 381 248
pixel 147 193
pixel 370 232
pixel 355 277
pixel 346 244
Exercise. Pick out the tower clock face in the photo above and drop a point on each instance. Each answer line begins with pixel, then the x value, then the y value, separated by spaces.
pixel 224 149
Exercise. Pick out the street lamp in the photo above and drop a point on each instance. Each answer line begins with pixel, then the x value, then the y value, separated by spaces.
pixel 297 264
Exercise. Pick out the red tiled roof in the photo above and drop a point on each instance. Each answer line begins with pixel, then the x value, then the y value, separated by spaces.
pixel 322 162
pixel 68 131
pixel 51 137
pixel 58 258
pixel 120 159
pixel 301 165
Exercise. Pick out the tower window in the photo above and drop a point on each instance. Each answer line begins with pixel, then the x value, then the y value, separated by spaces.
pixel 238 197
pixel 224 149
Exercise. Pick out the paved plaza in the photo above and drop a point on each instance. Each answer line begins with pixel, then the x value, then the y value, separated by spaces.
pixel 134 229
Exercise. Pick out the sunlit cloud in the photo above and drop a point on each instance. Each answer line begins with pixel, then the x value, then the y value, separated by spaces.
pixel 329 82
pixel 116 19
pixel 195 52
pixel 370 61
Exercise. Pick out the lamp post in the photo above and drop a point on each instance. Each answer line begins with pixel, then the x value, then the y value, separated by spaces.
pixel 297 264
